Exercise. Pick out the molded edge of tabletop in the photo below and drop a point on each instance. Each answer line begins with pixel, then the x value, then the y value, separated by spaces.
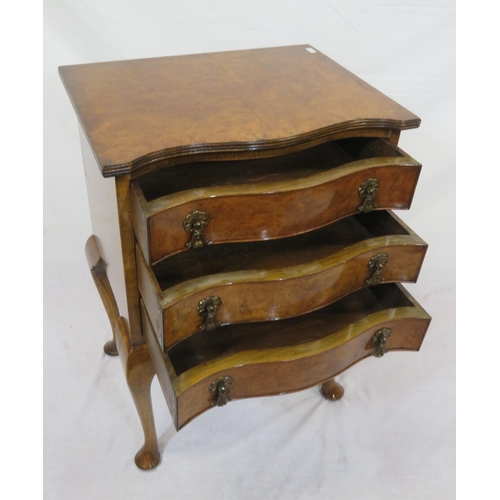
pixel 242 103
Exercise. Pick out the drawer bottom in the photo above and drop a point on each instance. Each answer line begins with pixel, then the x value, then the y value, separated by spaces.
pixel 276 357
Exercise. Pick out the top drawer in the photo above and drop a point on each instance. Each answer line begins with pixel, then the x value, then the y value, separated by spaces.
pixel 192 205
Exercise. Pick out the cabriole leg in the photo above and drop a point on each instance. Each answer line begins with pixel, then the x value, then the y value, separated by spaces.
pixel 137 364
pixel 98 271
pixel 139 372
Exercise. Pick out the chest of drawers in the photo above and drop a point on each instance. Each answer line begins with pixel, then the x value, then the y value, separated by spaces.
pixel 244 241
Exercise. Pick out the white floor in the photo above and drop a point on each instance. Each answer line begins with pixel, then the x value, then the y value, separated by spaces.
pixel 393 434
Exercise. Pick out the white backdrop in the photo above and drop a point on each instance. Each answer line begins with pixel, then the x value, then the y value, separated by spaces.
pixel 392 436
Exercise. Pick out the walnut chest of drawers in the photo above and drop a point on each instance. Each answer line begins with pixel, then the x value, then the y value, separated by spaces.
pixel 244 241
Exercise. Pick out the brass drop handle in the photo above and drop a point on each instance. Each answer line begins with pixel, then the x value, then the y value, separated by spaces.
pixel 220 389
pixel 367 192
pixel 379 340
pixel 207 309
pixel 376 266
pixel 195 223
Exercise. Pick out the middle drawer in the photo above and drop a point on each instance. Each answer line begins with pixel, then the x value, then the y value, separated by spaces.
pixel 262 281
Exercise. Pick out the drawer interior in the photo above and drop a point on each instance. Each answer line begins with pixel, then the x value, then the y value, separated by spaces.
pixel 204 347
pixel 275 254
pixel 301 164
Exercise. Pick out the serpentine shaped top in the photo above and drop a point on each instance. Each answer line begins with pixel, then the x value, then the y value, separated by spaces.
pixel 243 103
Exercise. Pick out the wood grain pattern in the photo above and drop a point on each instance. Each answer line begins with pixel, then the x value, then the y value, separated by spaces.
pixel 313 194
pixel 290 355
pixel 124 209
pixel 137 365
pixel 98 270
pixel 141 111
pixel 162 363
pixel 283 278
pixel 139 372
pixel 273 144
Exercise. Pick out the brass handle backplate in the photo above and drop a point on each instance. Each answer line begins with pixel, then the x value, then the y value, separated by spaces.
pixel 379 340
pixel 195 223
pixel 376 266
pixel 220 389
pixel 207 308
pixel 367 192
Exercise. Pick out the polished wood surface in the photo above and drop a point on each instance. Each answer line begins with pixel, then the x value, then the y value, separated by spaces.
pixel 139 373
pixel 231 340
pixel 289 355
pixel 162 364
pixel 269 149
pixel 285 167
pixel 268 199
pixel 141 111
pixel 276 279
pixel 306 248
pixel 137 365
pixel 332 390
pixel 128 258
pixel 98 270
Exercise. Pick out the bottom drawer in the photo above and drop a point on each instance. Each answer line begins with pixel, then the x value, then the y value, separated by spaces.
pixel 276 357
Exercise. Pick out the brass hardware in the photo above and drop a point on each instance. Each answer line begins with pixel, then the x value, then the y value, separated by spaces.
pixel 220 389
pixel 376 266
pixel 379 340
pixel 195 223
pixel 367 192
pixel 207 308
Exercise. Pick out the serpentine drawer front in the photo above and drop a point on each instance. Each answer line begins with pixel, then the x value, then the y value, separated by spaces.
pixel 276 279
pixel 243 241
pixel 270 358
pixel 191 206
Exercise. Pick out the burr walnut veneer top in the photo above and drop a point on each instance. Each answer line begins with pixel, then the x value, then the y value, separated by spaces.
pixel 141 111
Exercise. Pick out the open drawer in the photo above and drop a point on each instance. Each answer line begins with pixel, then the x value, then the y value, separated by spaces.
pixel 262 281
pixel 276 357
pixel 189 206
